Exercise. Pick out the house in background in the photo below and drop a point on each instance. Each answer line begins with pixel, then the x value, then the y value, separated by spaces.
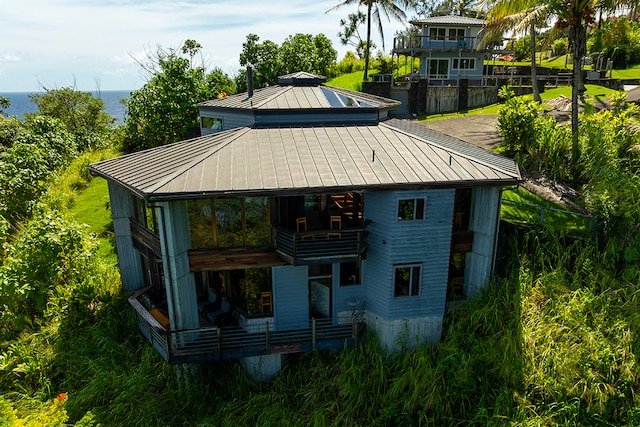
pixel 302 214
pixel 452 71
pixel 447 48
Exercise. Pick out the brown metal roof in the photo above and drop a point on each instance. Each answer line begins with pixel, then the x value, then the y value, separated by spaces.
pixel 296 97
pixel 303 159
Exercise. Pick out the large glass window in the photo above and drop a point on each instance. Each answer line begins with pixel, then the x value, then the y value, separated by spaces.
pixel 438 68
pixel 407 280
pixel 464 63
pixel 437 33
pixel 456 34
pixel 229 222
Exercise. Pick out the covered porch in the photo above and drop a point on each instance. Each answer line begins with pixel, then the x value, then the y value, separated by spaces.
pixel 256 338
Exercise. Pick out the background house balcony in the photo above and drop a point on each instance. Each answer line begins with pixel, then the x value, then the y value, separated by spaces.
pixel 414 45
pixel 320 246
pixel 211 343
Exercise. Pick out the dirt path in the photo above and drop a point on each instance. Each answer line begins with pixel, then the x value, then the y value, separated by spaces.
pixel 479 130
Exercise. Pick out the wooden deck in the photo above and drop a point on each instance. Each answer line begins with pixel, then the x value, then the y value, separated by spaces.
pixel 208 344
pixel 320 246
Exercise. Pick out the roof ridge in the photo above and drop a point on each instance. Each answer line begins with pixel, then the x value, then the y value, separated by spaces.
pixel 277 93
pixel 236 133
pixel 452 150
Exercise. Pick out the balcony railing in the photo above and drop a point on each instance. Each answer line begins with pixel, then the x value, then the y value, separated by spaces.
pixel 320 246
pixel 209 344
pixel 408 44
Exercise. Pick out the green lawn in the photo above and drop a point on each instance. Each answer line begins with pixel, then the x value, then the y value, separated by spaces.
pixel 516 208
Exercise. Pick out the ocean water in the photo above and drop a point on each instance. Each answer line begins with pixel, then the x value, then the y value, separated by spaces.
pixel 20 103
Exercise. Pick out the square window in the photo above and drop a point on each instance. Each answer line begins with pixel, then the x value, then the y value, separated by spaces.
pixel 406 280
pixel 410 209
pixel 212 123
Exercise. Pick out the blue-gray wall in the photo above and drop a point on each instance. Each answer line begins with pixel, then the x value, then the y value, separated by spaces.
pixel 290 297
pixel 426 241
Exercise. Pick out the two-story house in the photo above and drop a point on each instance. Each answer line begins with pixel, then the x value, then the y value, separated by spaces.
pixel 447 48
pixel 302 214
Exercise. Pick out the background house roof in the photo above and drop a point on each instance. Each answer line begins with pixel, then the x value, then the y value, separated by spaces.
pixel 449 20
pixel 305 159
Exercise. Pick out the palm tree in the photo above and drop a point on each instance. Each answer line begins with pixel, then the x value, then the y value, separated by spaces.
pixel 519 16
pixel 390 8
pixel 576 15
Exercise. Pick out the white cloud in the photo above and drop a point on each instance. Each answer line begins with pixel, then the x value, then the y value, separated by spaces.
pixel 60 40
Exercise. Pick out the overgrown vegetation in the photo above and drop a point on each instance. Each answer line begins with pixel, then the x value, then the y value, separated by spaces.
pixel 553 341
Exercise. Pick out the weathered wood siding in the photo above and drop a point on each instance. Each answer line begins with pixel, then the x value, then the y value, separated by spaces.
pixel 180 284
pixel 485 216
pixel 290 297
pixel 129 261
pixel 393 242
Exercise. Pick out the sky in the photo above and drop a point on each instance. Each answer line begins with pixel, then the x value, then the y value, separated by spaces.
pixel 98 44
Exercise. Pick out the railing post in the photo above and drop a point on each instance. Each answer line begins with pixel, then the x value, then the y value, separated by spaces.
pixel 313 333
pixel 166 346
pixel 541 215
pixel 267 344
pixel 354 328
pixel 219 333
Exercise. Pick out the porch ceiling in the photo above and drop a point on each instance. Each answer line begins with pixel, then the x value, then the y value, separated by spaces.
pixel 390 154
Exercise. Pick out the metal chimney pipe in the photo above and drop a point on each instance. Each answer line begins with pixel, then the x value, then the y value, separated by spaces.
pixel 249 81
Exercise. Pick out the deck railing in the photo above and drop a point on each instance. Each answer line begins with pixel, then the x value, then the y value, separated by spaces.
pixel 209 344
pixel 320 246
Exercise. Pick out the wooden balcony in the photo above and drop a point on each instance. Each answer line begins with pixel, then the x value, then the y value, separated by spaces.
pixel 415 45
pixel 320 246
pixel 208 344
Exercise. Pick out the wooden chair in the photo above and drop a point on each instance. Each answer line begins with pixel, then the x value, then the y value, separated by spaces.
pixel 301 224
pixel 266 302
pixel 335 223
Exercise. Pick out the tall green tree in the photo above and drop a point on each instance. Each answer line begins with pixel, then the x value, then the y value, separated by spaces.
pixel 350 33
pixel 389 8
pixel 574 15
pixel 84 115
pixel 165 109
pixel 299 52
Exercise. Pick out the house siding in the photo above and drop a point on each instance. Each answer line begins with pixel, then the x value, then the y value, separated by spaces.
pixel 129 261
pixel 180 283
pixel 290 297
pixel 426 242
pixel 230 119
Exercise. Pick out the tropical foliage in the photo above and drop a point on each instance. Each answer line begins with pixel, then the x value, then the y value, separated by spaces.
pixel 165 109
pixel 375 11
pixel 299 52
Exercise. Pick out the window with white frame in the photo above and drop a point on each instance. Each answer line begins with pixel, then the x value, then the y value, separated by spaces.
pixel 456 33
pixel 464 63
pixel 406 280
pixel 438 68
pixel 410 209
pixel 437 33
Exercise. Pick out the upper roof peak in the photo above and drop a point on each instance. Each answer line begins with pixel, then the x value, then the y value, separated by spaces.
pixel 301 78
pixel 449 20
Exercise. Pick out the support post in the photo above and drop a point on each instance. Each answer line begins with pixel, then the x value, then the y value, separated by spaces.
pixel 313 333
pixel 267 344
